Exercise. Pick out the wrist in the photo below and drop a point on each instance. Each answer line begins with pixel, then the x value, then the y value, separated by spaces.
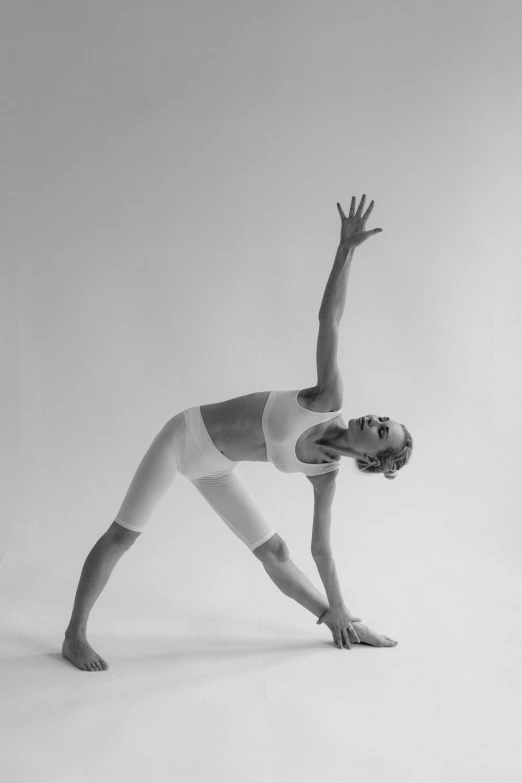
pixel 347 247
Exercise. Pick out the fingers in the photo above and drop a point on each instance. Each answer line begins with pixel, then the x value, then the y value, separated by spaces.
pixel 368 211
pixel 360 207
pixel 346 638
pixel 352 629
pixel 342 637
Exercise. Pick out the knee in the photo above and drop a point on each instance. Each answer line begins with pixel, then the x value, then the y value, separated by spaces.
pixel 273 549
pixel 121 535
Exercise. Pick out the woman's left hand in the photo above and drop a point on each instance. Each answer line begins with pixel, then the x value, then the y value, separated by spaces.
pixel 353 227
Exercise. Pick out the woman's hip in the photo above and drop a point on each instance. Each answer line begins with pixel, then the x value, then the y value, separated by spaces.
pixel 196 454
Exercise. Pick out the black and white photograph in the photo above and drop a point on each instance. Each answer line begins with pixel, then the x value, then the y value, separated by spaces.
pixel 261 391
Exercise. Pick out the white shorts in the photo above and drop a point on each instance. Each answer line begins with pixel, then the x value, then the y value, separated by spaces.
pixel 184 445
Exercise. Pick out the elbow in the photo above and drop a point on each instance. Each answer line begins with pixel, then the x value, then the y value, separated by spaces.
pixel 320 555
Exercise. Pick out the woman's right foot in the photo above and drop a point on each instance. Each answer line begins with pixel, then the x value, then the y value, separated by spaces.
pixel 367 636
pixel 78 650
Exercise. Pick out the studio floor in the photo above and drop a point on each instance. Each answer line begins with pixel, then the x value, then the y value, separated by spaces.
pixel 252 690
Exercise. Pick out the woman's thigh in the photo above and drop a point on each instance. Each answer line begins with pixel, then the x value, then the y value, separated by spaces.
pixel 234 503
pixel 153 477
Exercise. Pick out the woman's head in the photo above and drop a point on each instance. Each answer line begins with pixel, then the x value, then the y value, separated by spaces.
pixel 377 443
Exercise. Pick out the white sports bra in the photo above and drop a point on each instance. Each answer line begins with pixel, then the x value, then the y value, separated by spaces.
pixel 284 420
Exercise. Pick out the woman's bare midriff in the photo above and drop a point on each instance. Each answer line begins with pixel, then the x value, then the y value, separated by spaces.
pixel 235 427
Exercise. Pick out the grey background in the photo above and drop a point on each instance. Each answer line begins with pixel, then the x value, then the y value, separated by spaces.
pixel 170 173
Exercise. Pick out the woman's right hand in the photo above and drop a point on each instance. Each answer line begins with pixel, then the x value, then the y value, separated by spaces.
pixel 339 620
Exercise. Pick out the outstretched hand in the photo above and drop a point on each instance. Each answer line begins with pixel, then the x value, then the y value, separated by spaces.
pixel 340 621
pixel 353 227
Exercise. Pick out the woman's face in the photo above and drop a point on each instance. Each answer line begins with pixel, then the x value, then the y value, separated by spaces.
pixel 372 434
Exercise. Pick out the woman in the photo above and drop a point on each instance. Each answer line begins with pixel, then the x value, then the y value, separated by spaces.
pixel 298 431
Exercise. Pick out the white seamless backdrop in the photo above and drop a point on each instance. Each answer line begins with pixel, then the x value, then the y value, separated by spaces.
pixel 170 173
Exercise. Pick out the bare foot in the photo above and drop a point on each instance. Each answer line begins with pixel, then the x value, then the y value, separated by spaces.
pixel 366 636
pixel 78 650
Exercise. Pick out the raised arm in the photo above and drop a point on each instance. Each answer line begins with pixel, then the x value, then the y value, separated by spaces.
pixel 353 234
pixel 334 297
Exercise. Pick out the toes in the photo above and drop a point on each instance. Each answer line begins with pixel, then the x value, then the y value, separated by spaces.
pixel 95 666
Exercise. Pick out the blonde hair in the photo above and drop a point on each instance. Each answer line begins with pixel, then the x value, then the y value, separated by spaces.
pixel 391 460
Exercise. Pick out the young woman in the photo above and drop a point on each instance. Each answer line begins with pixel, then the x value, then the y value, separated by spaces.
pixel 298 431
